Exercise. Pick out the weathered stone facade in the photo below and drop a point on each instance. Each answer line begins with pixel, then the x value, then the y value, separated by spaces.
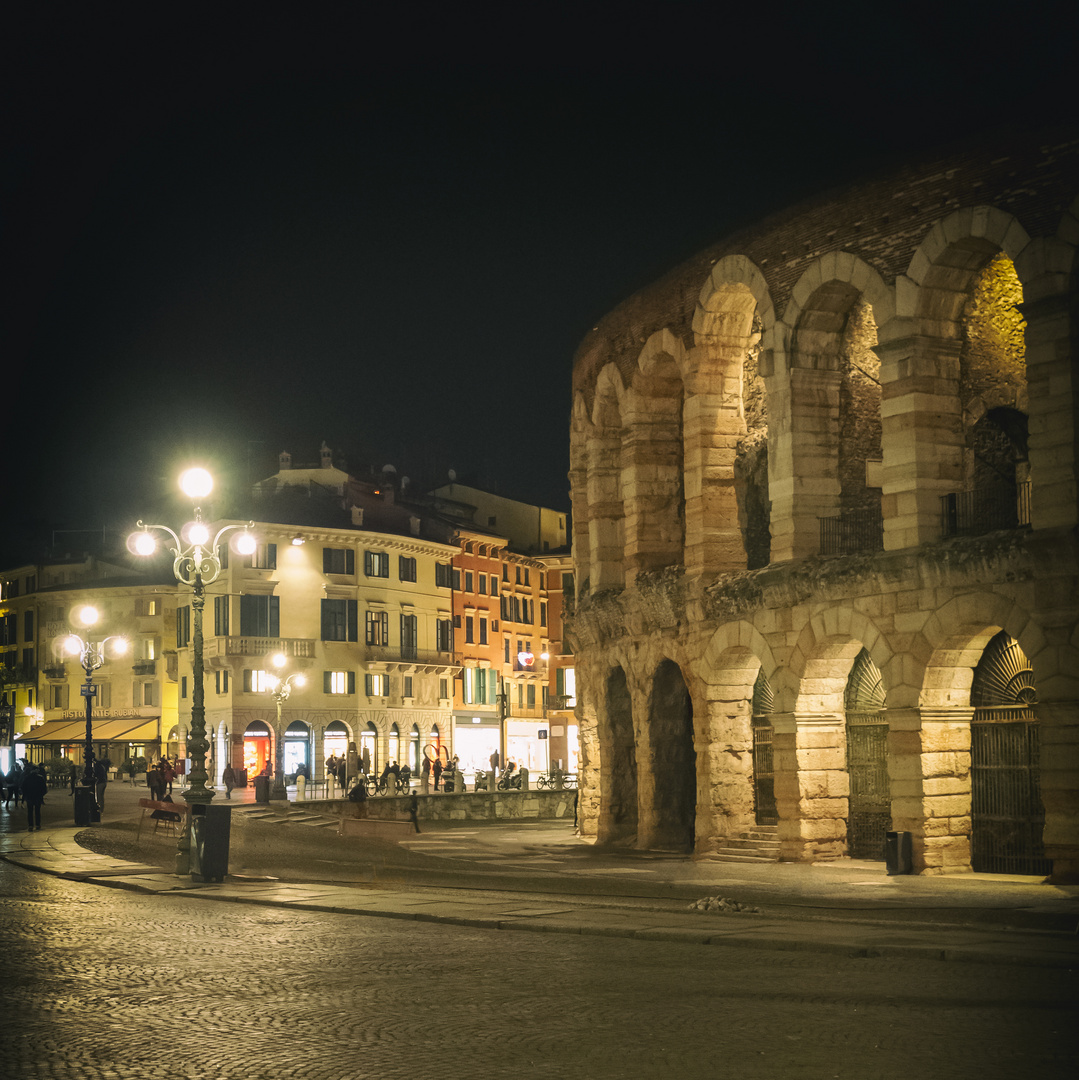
pixel 835 448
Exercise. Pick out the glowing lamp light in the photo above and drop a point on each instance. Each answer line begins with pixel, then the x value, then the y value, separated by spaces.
pixel 73 645
pixel 278 659
pixel 196 483
pixel 88 615
pixel 244 544
pixel 196 532
pixel 144 543
pixel 299 680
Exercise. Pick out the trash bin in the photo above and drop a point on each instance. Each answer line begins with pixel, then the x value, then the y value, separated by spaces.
pixel 897 852
pixel 211 827
pixel 262 789
pixel 85 806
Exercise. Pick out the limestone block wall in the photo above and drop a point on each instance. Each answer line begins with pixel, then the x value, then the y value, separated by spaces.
pixel 884 313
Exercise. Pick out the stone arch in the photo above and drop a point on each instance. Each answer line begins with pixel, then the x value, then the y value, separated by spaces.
pixel 653 458
pixel 618 809
pixel 923 433
pixel 606 510
pixel 727 673
pixel 667 767
pixel 580 431
pixel 734 312
pixel 827 403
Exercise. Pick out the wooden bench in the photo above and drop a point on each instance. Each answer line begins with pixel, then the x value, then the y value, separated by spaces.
pixel 177 812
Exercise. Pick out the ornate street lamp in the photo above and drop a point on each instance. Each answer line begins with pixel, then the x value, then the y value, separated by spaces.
pixel 196 563
pixel 280 688
pixel 91 656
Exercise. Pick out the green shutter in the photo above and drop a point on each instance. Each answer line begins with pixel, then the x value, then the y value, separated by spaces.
pixel 326 684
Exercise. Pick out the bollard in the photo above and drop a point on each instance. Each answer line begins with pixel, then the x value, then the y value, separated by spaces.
pixel 524 779
pixel 301 788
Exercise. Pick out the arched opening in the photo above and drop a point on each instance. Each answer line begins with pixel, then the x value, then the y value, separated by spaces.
pixel 751 459
pixel 393 745
pixel 619 775
pixel 869 811
pixel 1007 815
pixel 335 740
pixel 764 788
pixel 297 747
pixel 414 750
pixel 674 759
pixel 258 747
pixel 369 748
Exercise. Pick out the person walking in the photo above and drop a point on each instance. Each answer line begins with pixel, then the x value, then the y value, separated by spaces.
pixel 101 781
pixel 413 812
pixel 34 788
pixel 436 770
pixel 228 778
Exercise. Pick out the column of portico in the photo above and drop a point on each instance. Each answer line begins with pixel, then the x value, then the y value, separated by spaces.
pixel 929 773
pixel 921 434
pixel 1058 723
pixel 812 788
pixel 652 490
pixel 713 423
pixel 804 477
pixel 1053 394
pixel 605 530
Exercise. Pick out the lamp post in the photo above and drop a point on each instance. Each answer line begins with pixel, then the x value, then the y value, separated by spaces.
pixel 196 563
pixel 91 656
pixel 280 688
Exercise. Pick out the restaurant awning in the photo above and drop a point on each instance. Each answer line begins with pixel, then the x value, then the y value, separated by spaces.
pixel 128 729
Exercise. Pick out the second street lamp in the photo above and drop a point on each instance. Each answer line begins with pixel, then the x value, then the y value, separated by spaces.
pixel 196 563
pixel 280 688
pixel 91 656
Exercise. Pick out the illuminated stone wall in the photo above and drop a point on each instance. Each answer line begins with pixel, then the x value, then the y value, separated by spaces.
pixel 881 354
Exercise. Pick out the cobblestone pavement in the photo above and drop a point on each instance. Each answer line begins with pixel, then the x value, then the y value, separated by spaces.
pixel 101 984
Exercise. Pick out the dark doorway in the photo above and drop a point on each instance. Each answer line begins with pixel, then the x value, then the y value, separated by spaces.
pixel 674 760
pixel 620 763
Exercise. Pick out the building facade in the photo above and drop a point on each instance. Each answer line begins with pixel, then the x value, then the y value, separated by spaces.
pixel 824 491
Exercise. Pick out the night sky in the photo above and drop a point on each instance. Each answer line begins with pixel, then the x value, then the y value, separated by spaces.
pixel 227 238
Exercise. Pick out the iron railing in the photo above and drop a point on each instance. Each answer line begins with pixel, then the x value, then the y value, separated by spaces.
pixel 983 510
pixel 852 531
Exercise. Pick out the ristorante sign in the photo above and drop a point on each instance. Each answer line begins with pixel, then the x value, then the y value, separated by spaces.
pixel 103 714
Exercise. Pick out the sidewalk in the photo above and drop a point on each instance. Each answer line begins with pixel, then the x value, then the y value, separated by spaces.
pixel 539 877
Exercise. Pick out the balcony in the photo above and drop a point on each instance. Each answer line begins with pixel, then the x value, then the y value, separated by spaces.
pixel 144 667
pixel 407 656
pixel 217 651
pixel 53 671
pixel 852 531
pixel 984 510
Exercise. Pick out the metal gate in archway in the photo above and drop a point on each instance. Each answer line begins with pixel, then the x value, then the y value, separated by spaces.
pixel 870 809
pixel 1007 817
pixel 1007 814
pixel 764 780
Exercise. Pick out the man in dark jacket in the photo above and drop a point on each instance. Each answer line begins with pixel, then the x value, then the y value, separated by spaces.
pixel 34 787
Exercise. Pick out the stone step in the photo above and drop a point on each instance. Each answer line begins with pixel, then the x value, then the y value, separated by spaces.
pixel 742 857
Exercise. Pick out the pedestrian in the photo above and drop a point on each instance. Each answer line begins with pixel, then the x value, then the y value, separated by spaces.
pixel 436 771
pixel 154 782
pixel 168 774
pixel 425 776
pixel 34 788
pixel 228 778
pixel 101 780
pixel 72 779
pixel 413 812
pixel 342 774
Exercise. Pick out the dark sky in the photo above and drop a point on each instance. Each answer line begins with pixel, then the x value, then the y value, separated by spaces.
pixel 226 238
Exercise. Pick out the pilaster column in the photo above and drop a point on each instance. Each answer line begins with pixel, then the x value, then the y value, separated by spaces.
pixel 921 435
pixel 605 528
pixel 929 773
pixel 811 784
pixel 1058 723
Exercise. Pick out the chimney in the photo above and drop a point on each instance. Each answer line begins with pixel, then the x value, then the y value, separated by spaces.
pixel 284 461
pixel 327 457
pixel 414 525
pixel 357 516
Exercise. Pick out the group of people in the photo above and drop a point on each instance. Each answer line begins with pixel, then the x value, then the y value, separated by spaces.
pixel 28 784
pixel 436 776
pixel 159 778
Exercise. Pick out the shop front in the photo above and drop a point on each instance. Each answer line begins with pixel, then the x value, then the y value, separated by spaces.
pixel 258 748
pixel 528 745
pixel 476 736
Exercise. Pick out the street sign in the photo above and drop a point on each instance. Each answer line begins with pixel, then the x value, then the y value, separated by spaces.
pixel 88 691
pixel 543 733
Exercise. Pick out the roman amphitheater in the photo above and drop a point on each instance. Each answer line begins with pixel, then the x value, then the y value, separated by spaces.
pixel 824 490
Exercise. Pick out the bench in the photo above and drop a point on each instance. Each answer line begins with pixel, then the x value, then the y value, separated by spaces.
pixel 176 812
